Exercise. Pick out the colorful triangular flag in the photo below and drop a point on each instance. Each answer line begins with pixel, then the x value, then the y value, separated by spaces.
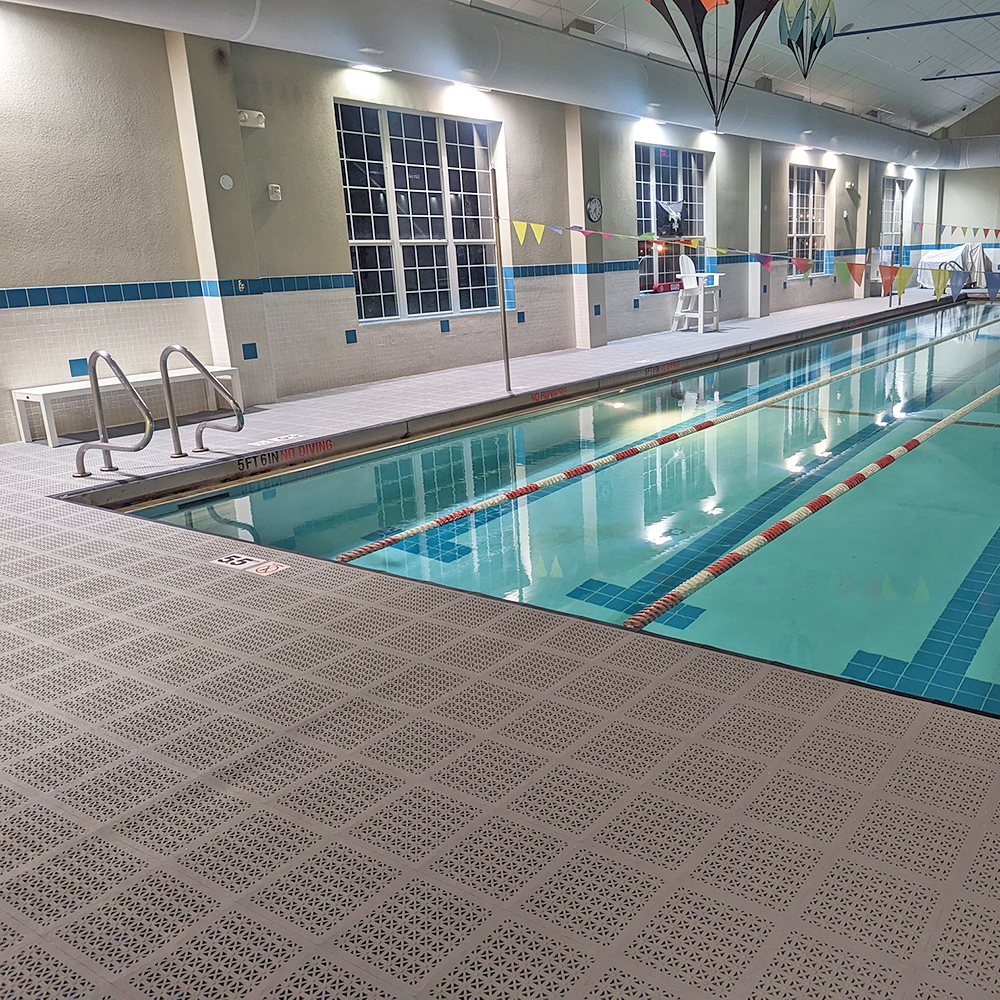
pixel 521 228
pixel 857 270
pixel 802 264
pixel 888 273
pixel 556 229
pixel 957 283
pixel 953 228
pixel 975 231
pixel 903 278
pixel 940 276
pixel 537 228
pixel 992 284
pixel 647 236
pixel 764 260
pixel 842 272
pixel 965 230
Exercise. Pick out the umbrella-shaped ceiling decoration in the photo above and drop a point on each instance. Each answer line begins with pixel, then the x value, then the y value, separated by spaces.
pixel 805 26
pixel 718 78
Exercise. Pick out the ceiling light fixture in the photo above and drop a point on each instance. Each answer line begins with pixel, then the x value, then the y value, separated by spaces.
pixel 370 68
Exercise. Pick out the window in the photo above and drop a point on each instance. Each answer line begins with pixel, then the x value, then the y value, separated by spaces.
pixel 807 216
pixel 670 201
pixel 420 223
pixel 893 192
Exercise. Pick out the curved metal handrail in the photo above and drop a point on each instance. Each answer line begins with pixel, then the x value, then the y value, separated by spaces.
pixel 102 428
pixel 168 394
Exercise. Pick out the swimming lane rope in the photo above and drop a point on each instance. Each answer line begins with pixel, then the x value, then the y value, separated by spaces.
pixel 562 477
pixel 741 552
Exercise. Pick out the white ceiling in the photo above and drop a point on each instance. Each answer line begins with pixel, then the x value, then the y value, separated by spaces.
pixel 857 73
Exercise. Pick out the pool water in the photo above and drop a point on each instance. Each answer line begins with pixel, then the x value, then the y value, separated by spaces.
pixel 897 584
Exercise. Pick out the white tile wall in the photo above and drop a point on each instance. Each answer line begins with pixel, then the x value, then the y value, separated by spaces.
pixel 37 344
pixel 246 323
pixel 547 304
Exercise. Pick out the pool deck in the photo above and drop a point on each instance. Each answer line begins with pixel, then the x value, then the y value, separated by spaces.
pixel 332 782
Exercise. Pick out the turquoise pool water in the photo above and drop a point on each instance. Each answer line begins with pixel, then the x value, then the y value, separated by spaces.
pixel 897 584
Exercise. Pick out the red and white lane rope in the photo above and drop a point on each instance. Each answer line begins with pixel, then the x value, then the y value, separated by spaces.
pixel 748 548
pixel 562 477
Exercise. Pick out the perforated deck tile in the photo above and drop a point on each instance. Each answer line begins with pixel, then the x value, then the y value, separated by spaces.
pixel 470 799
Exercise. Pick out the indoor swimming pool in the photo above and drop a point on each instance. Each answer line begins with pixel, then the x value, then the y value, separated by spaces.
pixel 896 585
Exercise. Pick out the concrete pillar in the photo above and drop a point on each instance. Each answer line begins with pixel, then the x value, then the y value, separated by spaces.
pixel 759 193
pixel 230 222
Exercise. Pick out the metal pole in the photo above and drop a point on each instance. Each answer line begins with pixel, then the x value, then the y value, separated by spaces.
pixel 503 298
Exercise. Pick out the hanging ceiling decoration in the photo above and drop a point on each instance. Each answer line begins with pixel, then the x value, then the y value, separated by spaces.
pixel 806 26
pixel 718 76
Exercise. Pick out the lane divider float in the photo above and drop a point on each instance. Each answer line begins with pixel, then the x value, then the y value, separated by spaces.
pixel 619 456
pixel 768 535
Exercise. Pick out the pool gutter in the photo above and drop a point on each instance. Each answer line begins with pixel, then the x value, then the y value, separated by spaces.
pixel 292 451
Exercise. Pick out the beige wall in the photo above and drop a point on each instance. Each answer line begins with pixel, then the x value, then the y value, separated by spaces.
pixel 93 186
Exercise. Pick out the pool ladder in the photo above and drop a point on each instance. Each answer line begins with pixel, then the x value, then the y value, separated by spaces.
pixel 105 447
pixel 168 393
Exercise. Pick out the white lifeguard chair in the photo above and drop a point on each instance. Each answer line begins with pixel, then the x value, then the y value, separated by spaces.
pixel 698 297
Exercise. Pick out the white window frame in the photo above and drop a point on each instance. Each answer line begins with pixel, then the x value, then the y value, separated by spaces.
pixel 666 256
pixel 397 244
pixel 815 194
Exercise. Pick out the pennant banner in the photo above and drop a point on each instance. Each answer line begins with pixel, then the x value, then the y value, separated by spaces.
pixel 764 260
pixel 992 284
pixel 857 272
pixel 888 273
pixel 802 264
pixel 940 276
pixel 843 274
pixel 957 283
pixel 537 228
pixel 903 278
pixel 521 228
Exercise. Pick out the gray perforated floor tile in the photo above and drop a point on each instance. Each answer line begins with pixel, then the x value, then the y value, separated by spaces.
pixel 885 912
pixel 135 923
pixel 804 805
pixel 658 830
pixel 618 985
pixel 593 896
pixel 38 974
pixel 759 867
pixel 229 959
pixel 700 942
pixel 416 824
pixel 514 961
pixel 500 858
pixel 807 968
pixel 319 893
pixel 413 931
pixel 910 838
pixel 321 979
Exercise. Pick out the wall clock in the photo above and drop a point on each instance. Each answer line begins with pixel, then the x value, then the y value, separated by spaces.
pixel 594 209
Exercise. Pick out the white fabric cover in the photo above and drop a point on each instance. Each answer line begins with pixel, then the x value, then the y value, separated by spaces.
pixel 965 257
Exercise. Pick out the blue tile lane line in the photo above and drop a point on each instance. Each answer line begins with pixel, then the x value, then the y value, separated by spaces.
pixel 938 669
pixel 723 538
pixel 753 517
pixel 138 291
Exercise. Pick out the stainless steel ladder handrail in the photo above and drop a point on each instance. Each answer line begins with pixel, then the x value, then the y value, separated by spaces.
pixel 102 428
pixel 168 395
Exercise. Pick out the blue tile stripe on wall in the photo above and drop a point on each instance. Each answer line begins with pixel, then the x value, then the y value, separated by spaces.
pixel 141 291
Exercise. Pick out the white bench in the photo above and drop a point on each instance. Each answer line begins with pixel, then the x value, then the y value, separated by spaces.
pixel 46 395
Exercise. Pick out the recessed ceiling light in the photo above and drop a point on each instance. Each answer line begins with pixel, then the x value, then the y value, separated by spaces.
pixel 370 68
pixel 372 52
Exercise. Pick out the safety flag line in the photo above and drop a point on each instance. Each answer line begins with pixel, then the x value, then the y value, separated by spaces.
pixel 768 535
pixel 619 456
